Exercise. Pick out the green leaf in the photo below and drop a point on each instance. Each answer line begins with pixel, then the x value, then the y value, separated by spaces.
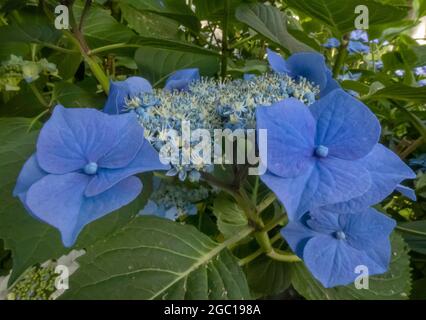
pixel 154 258
pixel 340 15
pixel 30 240
pixel 31 27
pixel 100 28
pixel 174 9
pixel 230 217
pixel 268 277
pixel 401 92
pixel 394 284
pixel 270 23
pixel 157 64
pixel 414 234
pixel 71 95
pixel 67 64
pixel 148 23
pixel 214 9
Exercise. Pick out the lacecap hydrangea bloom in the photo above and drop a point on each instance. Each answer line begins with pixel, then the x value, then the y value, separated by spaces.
pixel 204 103
pixel 84 168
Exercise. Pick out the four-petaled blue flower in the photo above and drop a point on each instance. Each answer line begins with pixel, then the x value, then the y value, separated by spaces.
pixel 332 245
pixel 84 168
pixel 308 65
pixel 358 47
pixel 327 154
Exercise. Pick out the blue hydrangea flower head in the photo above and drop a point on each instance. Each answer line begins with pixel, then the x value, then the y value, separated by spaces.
pixel 121 91
pixel 84 168
pixel 333 244
pixel 181 79
pixel 420 71
pixel 308 65
pixel 422 83
pixel 331 43
pixel 314 152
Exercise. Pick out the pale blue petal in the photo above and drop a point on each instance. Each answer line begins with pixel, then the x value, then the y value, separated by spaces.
pixel 127 142
pixel 277 63
pixel 387 170
pixel 329 181
pixel 146 160
pixel 290 131
pixel 310 66
pixel 30 174
pixel 94 208
pixel 407 192
pixel 181 79
pixel 333 262
pixel 121 90
pixel 57 199
pixel 345 126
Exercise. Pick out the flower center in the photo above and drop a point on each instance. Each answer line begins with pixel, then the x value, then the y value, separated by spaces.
pixel 91 168
pixel 340 235
pixel 321 151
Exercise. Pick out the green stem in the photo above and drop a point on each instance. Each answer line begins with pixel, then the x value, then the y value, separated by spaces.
pixel 113 47
pixel 341 57
pixel 266 202
pixel 258 252
pixel 224 65
pixel 38 95
pixel 243 41
pixel 98 72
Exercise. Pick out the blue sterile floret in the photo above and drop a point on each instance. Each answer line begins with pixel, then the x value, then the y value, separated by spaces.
pixel 327 154
pixel 332 244
pixel 84 168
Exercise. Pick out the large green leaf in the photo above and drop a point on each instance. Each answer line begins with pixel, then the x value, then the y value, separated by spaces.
pixel 340 15
pixel 414 234
pixel 394 284
pixel 270 23
pixel 267 277
pixel 158 64
pixel 175 9
pixel 154 258
pixel 230 217
pixel 100 28
pixel 401 92
pixel 71 95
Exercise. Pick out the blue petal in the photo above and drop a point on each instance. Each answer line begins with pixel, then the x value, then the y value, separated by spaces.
pixel 290 131
pixel 297 234
pixel 387 170
pixel 30 174
pixel 310 66
pixel 345 125
pixel 331 84
pixel 329 181
pixel 277 63
pixel 406 191
pixel 181 79
pixel 121 90
pixel 333 262
pixel 146 160
pixel 126 144
pixel 74 137
pixel 57 199
pixel 94 208
pixel 151 208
